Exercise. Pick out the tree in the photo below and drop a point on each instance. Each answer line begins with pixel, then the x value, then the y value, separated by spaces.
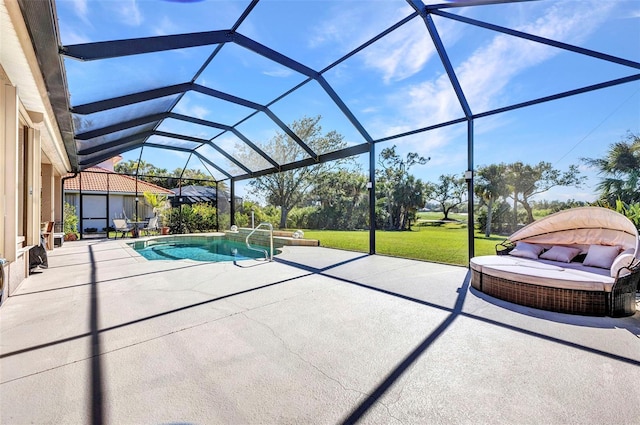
pixel 70 221
pixel 342 198
pixel 490 186
pixel 201 178
pixel 526 181
pixel 147 172
pixel 159 203
pixel 620 171
pixel 288 188
pixel 448 193
pixel 142 168
pixel 161 177
pixel 402 193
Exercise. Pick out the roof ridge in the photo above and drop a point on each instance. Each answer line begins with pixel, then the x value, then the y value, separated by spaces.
pixel 125 180
pixel 142 181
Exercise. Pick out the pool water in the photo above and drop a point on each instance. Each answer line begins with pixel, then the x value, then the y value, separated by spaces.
pixel 208 249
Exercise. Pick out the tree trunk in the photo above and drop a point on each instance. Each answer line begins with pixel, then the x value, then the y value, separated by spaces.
pixel 515 212
pixel 529 211
pixel 487 230
pixel 284 212
pixel 445 211
pixel 390 211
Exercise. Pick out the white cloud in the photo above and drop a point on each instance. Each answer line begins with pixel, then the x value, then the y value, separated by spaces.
pixel 198 111
pixel 402 53
pixel 227 142
pixel 338 29
pixel 406 51
pixel 81 10
pixel 279 73
pixel 184 107
pixel 71 37
pixel 487 72
pixel 166 26
pixel 127 12
pixel 350 24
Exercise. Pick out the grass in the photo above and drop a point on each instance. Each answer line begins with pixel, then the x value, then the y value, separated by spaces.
pixel 430 240
pixel 446 243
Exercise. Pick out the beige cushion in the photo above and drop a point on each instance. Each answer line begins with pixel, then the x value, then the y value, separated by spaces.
pixel 623 260
pixel 536 272
pixel 526 250
pixel 478 263
pixel 601 256
pixel 565 279
pixel 564 254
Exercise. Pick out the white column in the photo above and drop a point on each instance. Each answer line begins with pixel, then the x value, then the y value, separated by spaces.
pixel 32 185
pixel 9 178
pixel 48 196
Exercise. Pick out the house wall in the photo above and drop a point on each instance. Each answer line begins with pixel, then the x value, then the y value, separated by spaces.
pixel 47 212
pixel 12 240
pixel 20 190
pixel 118 206
pixel 48 194
pixel 33 192
pixel 28 131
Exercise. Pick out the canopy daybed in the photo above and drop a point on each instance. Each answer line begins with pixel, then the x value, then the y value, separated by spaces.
pixel 580 261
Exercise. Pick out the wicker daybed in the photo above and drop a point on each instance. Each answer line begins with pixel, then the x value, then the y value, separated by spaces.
pixel 580 261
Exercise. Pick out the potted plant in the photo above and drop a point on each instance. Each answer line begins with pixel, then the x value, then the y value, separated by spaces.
pixel 70 222
pixel 160 204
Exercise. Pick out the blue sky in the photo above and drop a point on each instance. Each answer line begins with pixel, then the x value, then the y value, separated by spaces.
pixel 396 85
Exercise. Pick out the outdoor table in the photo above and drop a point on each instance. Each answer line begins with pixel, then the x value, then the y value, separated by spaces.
pixel 135 232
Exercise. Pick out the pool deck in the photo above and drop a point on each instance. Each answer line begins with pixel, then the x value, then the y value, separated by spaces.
pixel 319 336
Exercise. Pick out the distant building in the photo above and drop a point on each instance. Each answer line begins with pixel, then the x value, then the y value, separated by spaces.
pixel 100 195
pixel 193 194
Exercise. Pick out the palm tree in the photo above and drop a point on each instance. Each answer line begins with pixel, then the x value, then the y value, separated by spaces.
pixel 159 203
pixel 490 186
pixel 620 171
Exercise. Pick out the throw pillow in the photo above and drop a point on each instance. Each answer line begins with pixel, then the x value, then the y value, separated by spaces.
pixel 564 254
pixel 526 250
pixel 601 256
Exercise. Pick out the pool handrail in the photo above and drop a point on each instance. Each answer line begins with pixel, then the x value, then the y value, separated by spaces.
pixel 267 255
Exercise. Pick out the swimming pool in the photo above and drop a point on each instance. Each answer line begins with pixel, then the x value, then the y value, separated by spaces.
pixel 203 248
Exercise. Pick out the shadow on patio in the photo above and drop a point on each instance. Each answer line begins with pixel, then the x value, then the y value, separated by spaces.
pixel 318 336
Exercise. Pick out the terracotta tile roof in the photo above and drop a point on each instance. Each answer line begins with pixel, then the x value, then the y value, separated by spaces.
pixel 97 179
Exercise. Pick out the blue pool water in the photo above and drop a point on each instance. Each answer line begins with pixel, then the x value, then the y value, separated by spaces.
pixel 198 249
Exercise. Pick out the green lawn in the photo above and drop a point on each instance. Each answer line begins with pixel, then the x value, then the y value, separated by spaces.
pixel 445 243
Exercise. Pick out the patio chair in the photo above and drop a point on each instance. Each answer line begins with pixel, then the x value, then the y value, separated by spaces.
pixel 122 226
pixel 152 225
pixel 47 234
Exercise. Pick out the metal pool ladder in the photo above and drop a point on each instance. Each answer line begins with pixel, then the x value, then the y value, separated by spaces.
pixel 267 255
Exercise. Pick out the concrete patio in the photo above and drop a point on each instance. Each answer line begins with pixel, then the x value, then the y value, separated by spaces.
pixel 318 336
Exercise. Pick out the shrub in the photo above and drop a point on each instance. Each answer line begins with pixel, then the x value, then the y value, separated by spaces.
pixel 70 220
pixel 501 221
pixel 300 218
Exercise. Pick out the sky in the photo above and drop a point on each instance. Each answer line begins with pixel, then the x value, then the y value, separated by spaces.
pixel 395 85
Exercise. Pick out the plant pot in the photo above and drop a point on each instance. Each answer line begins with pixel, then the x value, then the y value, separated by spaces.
pixel 70 237
pixel 165 230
